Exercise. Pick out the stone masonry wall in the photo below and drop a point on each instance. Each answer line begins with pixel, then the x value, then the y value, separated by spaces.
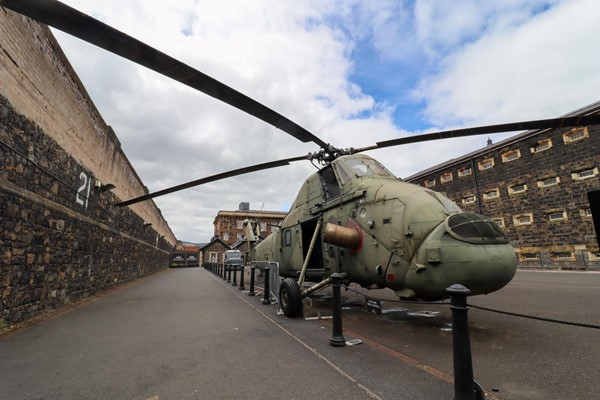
pixel 60 237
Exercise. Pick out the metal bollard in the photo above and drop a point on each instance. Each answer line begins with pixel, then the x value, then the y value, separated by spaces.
pixel 267 296
pixel 235 268
pixel 242 286
pixel 337 337
pixel 229 274
pixel 465 388
pixel 252 270
pixel 225 269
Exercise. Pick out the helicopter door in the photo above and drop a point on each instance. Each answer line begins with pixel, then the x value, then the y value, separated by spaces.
pixel 316 258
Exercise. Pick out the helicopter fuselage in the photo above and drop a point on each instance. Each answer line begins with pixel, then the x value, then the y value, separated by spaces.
pixel 410 239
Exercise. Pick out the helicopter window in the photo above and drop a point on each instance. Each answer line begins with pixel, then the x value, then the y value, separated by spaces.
pixel 287 237
pixel 366 167
pixel 331 188
pixel 474 228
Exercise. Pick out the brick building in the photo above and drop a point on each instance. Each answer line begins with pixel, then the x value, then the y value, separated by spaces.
pixel 228 225
pixel 534 185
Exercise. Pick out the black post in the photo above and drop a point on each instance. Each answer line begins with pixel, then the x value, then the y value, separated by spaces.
pixel 594 200
pixel 252 269
pixel 242 286
pixel 229 273
pixel 267 296
pixel 464 386
pixel 234 283
pixel 224 272
pixel 337 337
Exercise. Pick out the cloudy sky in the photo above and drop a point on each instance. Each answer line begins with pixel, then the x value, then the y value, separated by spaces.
pixel 351 72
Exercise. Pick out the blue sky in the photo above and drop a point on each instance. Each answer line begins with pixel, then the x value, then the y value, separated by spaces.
pixel 352 72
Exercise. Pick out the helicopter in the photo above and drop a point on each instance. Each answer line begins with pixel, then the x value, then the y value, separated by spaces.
pixel 352 216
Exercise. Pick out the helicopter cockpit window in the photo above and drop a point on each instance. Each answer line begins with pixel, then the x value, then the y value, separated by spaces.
pixel 329 183
pixel 359 167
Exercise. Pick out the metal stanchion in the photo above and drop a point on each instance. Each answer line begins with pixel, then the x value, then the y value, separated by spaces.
pixel 225 272
pixel 337 337
pixel 464 386
pixel 252 270
pixel 267 296
pixel 242 286
pixel 235 268
pixel 229 273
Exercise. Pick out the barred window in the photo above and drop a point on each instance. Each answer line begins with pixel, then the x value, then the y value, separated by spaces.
pixel 486 164
pixel 575 135
pixel 511 156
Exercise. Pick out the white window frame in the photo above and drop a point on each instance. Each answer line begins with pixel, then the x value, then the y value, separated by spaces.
pixel 511 156
pixel 469 199
pixel 467 171
pixel 447 177
pixel 483 164
pixel 545 183
pixel 517 219
pixel 511 189
pixel 575 135
pixel 587 174
pixel 489 196
pixel 542 145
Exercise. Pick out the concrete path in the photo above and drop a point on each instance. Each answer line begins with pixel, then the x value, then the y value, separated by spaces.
pixel 186 334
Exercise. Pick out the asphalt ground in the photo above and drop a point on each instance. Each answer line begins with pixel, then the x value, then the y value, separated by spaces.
pixel 187 334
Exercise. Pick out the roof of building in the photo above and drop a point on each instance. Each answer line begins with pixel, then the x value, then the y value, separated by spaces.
pixel 252 213
pixel 589 109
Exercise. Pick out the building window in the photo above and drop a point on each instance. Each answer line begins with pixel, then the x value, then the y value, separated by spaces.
pixel 585 212
pixel 240 224
pixel 447 177
pixel 491 194
pixel 523 219
pixel 557 215
pixel 542 145
pixel 499 221
pixel 511 156
pixel 530 256
pixel 486 164
pixel 225 236
pixel 585 174
pixel 562 256
pixel 429 183
pixel 575 135
pixel 465 172
pixel 470 199
pixel 263 226
pixel 516 189
pixel 548 182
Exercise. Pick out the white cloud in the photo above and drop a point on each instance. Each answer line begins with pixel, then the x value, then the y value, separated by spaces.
pixel 477 62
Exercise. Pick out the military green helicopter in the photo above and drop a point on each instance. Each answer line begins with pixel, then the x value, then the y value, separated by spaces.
pixel 352 216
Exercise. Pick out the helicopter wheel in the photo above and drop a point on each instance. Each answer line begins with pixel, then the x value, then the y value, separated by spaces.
pixel 290 298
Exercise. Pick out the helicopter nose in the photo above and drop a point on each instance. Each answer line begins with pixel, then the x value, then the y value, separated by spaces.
pixel 467 249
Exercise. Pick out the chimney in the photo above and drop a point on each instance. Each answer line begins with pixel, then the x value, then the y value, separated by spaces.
pixel 244 206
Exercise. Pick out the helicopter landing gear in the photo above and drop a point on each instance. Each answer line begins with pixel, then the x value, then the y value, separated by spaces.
pixel 290 298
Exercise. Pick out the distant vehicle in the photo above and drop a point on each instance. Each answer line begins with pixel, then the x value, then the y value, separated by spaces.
pixel 184 260
pixel 233 258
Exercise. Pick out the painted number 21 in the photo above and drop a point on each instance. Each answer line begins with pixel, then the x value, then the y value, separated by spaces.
pixel 83 193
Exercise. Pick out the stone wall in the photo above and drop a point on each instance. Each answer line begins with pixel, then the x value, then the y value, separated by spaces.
pixel 535 186
pixel 60 237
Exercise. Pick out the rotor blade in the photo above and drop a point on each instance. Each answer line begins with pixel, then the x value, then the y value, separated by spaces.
pixel 222 175
pixel 73 22
pixel 553 123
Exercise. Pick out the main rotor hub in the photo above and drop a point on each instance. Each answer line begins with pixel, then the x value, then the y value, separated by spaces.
pixel 326 156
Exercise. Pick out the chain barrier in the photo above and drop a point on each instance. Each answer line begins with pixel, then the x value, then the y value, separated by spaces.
pixel 556 321
pixel 513 314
